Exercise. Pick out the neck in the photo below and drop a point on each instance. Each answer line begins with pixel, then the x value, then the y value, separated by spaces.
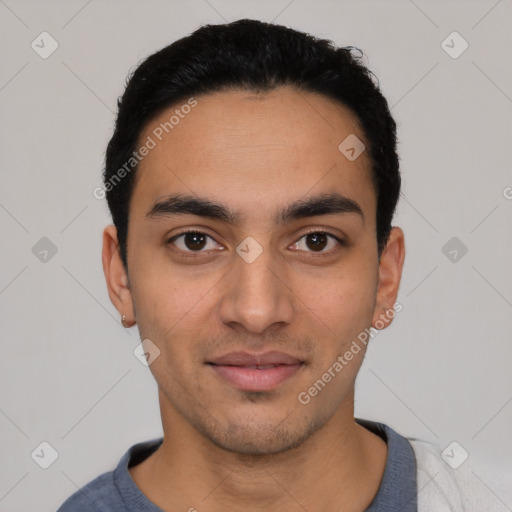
pixel 341 462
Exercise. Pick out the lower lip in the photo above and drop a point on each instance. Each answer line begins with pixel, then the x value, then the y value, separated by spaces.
pixel 252 379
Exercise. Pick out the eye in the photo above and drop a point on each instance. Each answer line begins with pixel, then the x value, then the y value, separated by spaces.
pixel 317 241
pixel 192 241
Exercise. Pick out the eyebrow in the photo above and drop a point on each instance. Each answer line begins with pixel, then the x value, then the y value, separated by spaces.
pixel 324 204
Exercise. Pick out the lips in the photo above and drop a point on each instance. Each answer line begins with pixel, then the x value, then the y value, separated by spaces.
pixel 256 372
pixel 246 359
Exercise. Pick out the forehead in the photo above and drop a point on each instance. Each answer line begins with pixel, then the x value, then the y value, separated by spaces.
pixel 253 150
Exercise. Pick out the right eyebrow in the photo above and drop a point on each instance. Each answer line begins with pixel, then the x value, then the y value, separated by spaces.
pixel 180 204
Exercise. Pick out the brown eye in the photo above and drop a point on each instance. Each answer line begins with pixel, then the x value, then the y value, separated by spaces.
pixel 192 241
pixel 317 242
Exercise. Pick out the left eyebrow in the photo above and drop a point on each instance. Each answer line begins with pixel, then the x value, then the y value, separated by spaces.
pixel 323 204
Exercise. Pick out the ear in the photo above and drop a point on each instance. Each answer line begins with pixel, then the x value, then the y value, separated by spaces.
pixel 390 273
pixel 116 276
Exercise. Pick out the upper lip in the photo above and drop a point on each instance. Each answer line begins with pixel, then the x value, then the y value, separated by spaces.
pixel 246 359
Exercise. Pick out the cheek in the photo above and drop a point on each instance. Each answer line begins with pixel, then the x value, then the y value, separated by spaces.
pixel 349 318
pixel 170 299
pixel 345 298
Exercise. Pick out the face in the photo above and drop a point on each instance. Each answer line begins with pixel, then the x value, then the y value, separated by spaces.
pixel 277 275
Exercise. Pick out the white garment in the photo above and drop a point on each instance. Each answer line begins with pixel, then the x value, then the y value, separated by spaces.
pixel 443 489
pixel 438 489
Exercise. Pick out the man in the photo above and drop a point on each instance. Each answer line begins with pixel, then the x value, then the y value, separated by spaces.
pixel 252 179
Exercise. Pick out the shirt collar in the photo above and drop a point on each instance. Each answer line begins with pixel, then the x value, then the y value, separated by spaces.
pixel 398 487
pixel 397 490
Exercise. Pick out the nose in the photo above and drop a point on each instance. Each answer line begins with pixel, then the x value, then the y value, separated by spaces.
pixel 258 295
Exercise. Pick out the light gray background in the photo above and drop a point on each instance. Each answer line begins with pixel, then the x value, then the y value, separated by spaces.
pixel 441 372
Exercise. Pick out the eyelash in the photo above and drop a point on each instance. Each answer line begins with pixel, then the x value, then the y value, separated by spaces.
pixel 310 232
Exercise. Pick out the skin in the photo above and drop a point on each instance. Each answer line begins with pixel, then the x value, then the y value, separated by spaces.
pixel 227 449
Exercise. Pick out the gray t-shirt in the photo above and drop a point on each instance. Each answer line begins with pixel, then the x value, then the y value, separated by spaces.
pixel 115 491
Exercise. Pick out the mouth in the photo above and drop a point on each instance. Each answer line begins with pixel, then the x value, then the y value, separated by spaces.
pixel 252 372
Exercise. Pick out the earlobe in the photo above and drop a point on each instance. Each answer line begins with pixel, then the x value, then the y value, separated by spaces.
pixel 116 277
pixel 390 273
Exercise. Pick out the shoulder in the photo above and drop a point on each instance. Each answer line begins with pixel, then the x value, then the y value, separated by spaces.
pixel 94 496
pixel 112 490
pixel 440 488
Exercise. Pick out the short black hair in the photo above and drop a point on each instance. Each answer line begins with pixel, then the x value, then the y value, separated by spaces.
pixel 254 56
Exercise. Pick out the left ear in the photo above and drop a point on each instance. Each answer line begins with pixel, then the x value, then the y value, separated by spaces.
pixel 390 273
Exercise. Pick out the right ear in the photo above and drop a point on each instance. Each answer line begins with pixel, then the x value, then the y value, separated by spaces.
pixel 116 276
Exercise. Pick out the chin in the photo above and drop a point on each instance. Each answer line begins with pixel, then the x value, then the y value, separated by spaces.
pixel 260 439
